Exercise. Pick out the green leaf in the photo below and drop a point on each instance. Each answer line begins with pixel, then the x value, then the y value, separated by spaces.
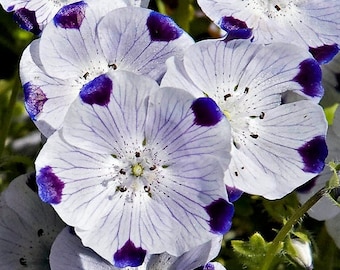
pixel 252 253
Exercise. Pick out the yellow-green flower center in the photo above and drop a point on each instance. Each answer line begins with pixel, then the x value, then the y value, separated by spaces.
pixel 137 170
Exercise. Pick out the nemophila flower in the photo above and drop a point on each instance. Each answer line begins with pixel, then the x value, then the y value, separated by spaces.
pixel 33 15
pixel 77 48
pixel 138 170
pixel 325 208
pixel 277 144
pixel 28 227
pixel 314 24
pixel 67 252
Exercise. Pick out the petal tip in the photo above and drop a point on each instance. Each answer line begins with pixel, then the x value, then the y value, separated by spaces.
pixel 35 99
pixel 97 91
pixel 70 16
pixel 129 255
pixel 50 187
pixel 314 153
pixel 221 213
pixel 309 77
pixel 206 111
pixel 162 28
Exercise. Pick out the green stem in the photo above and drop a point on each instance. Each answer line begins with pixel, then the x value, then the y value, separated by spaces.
pixel 6 121
pixel 273 249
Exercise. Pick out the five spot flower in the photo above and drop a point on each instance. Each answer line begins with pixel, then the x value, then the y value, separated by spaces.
pixel 34 15
pixel 138 170
pixel 269 95
pixel 312 24
pixel 81 45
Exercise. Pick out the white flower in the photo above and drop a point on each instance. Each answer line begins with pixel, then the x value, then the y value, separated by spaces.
pixel 81 45
pixel 28 227
pixel 33 15
pixel 277 144
pixel 67 252
pixel 138 170
pixel 308 23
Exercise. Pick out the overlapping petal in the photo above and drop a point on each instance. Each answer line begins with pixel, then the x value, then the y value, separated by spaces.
pixel 324 209
pixel 305 23
pixel 276 141
pixel 146 180
pixel 78 47
pixel 34 15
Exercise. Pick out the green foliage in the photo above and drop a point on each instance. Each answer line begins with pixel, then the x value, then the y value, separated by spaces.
pixel 253 252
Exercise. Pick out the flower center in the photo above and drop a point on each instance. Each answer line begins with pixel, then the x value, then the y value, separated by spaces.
pixel 137 170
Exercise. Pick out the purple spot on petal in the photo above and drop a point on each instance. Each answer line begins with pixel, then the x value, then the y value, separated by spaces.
pixel 325 53
pixel 305 188
pixel 235 28
pixel 233 193
pixel 309 78
pixel 71 16
pixel 97 91
pixel 162 28
pixel 206 111
pixel 10 8
pixel 50 187
pixel 35 99
pixel 27 20
pixel 209 266
pixel 313 154
pixel 129 255
pixel 221 213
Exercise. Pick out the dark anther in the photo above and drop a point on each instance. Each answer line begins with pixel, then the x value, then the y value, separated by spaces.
pixel 23 261
pixel 261 115
pixel 277 8
pixel 255 136
pixel 147 188
pixel 40 232
pixel 122 189
pixel 86 75
pixel 122 172
pixel 137 154
pixel 236 173
pixel 246 90
pixel 153 167
pixel 113 66
pixel 226 96
pixel 236 86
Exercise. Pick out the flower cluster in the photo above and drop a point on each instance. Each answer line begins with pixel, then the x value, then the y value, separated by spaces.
pixel 151 137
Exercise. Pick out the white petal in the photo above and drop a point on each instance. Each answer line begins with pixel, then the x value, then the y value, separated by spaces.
pixel 305 23
pixel 67 252
pixel 120 122
pixel 28 228
pixel 126 36
pixel 47 98
pixel 272 147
